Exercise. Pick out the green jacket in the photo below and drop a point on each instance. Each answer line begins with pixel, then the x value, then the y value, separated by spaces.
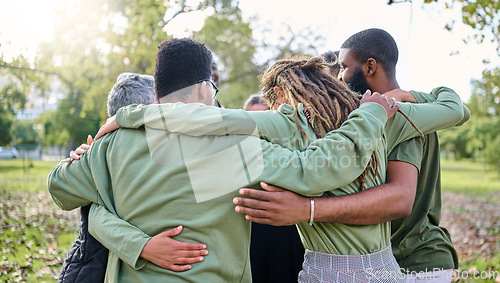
pixel 156 180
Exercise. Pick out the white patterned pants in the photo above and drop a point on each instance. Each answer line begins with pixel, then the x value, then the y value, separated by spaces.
pixel 380 266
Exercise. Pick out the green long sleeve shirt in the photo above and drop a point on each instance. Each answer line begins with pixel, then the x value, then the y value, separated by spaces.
pixel 325 237
pixel 156 180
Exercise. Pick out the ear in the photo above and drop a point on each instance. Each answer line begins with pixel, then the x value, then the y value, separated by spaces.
pixel 277 90
pixel 371 67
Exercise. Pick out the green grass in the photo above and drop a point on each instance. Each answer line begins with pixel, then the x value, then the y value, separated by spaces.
pixel 470 178
pixel 35 234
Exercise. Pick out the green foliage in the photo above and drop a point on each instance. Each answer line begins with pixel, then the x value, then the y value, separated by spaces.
pixel 235 49
pixel 94 41
pixel 479 138
pixel 6 122
pixel 53 133
pixel 481 15
pixel 24 132
pixel 11 98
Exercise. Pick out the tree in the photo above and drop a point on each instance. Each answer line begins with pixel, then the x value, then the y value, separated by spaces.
pixel 481 15
pixel 94 41
pixel 10 99
pixel 24 132
pixel 485 108
pixel 479 137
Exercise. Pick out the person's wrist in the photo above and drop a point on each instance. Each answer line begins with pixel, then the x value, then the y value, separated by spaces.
pixel 305 211
pixel 145 250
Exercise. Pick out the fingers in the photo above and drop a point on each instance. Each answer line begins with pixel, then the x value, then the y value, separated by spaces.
pixel 258 194
pixel 270 188
pixel 259 220
pixel 191 256
pixel 99 134
pixel 251 211
pixel 178 268
pixel 90 140
pixel 172 232
pixel 252 203
pixel 74 156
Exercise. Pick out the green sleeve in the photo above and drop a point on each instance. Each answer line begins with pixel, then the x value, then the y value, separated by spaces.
pixel 71 185
pixel 75 184
pixel 131 116
pixel 196 119
pixel 331 162
pixel 423 97
pixel 446 111
pixel 122 238
pixel 409 151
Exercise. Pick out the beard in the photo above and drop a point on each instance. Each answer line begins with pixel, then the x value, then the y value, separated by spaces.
pixel 358 81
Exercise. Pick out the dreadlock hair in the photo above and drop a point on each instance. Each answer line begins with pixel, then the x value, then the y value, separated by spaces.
pixel 327 101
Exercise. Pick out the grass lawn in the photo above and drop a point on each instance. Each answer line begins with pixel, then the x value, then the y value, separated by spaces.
pixel 470 178
pixel 35 234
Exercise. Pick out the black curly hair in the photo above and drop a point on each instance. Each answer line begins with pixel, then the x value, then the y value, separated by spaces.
pixel 374 43
pixel 181 62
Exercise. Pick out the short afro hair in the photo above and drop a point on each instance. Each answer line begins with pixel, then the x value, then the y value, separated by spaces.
pixel 330 56
pixel 374 43
pixel 181 63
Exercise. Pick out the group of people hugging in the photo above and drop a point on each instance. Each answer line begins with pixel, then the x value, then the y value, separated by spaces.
pixel 331 150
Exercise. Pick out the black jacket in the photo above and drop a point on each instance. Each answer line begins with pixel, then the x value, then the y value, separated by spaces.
pixel 87 258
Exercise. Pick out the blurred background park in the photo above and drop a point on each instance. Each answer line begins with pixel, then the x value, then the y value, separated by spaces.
pixel 59 59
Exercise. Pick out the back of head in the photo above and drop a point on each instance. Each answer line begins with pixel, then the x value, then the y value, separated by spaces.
pixel 374 43
pixel 181 63
pixel 254 99
pixel 131 89
pixel 331 58
pixel 327 101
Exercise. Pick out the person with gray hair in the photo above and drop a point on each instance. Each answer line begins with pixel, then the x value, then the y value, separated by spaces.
pixel 131 89
pixel 87 258
pixel 255 103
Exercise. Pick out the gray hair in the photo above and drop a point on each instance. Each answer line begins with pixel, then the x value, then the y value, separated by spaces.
pixel 252 100
pixel 131 89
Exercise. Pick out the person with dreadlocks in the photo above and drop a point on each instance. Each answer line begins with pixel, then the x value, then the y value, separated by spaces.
pixel 420 245
pixel 316 103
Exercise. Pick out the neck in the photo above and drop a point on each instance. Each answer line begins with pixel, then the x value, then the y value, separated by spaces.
pixel 384 86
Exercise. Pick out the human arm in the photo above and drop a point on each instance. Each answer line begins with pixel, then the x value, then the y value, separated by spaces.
pixel 422 97
pixel 277 206
pixel 445 111
pixel 135 247
pixel 394 199
pixel 339 158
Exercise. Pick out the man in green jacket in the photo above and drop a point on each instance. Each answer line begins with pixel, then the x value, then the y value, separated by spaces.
pixel 157 179
pixel 329 239
pixel 412 195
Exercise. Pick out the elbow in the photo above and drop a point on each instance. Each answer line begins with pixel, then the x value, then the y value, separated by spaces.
pixel 401 211
pixel 459 115
pixel 404 211
pixel 403 207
